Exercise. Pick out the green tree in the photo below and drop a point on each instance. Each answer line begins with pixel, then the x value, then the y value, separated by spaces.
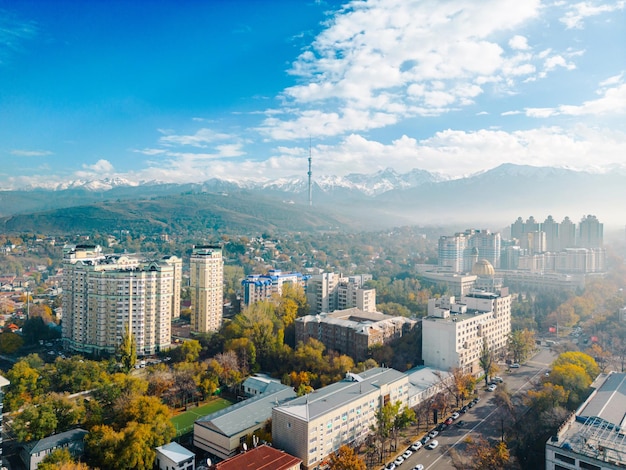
pixel 486 361
pixel 127 351
pixel 10 342
pixel 189 351
pixel 521 344
pixel 24 385
pixel 35 422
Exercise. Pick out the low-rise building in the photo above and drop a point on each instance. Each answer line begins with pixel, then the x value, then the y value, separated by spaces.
pixel 352 331
pixel 593 438
pixel 222 433
pixel 35 451
pixel 313 426
pixel 260 458
pixel 173 456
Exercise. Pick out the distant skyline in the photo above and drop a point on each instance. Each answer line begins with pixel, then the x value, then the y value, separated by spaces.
pixel 187 91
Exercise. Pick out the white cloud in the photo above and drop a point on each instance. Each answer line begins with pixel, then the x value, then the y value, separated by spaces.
pixel 201 138
pixel 577 12
pixel 101 166
pixel 393 59
pixel 31 153
pixel 612 102
pixel 519 42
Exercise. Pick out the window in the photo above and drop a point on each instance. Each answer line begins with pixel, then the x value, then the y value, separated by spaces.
pixel 588 466
pixel 565 458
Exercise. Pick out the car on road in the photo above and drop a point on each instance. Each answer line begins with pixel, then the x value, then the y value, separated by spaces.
pixel 448 421
pixel 398 461
pixel 464 409
pixel 515 365
pixel 434 433
pixel 419 466
pixel 471 404
pixel 417 445
pixel 460 423
pixel 492 387
pixel 391 466
pixel 433 444
pixel 497 379
pixel 407 453
pixel 455 415
pixel 425 439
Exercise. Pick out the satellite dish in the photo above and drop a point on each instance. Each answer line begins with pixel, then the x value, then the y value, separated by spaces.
pixel 245 446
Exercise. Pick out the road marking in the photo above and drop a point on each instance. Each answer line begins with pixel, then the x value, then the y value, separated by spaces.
pixel 463 437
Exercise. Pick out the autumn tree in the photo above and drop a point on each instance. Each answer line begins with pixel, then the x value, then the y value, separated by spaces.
pixel 346 459
pixel 480 454
pixel 10 342
pixel 61 459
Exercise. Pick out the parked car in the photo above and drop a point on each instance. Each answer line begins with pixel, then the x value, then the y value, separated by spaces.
pixel 460 423
pixel 455 415
pixel 434 433
pixel 448 421
pixel 492 387
pixel 417 445
pixel 515 365
pixel 425 439
pixel 433 444
pixel 407 453
pixel 398 461
pixel 497 379
pixel 391 466
pixel 471 404
pixel 419 466
pixel 464 409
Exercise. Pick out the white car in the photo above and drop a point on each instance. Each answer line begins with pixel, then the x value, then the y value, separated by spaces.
pixel 492 387
pixel 417 445
pixel 433 434
pixel 515 365
pixel 455 415
pixel 433 444
pixel 407 453
pixel 419 466
pixel 398 461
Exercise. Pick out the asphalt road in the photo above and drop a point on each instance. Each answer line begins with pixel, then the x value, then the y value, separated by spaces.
pixel 481 419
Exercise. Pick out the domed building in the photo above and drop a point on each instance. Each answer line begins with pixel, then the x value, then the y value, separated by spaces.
pixel 486 276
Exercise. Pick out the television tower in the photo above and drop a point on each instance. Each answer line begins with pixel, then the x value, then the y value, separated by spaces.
pixel 310 173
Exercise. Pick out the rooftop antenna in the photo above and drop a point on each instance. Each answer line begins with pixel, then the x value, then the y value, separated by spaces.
pixel 310 173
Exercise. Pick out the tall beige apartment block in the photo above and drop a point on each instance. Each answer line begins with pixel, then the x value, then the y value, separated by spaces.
pixel 207 288
pixel 107 296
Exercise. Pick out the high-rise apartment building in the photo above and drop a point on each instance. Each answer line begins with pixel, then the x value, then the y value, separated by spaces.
pixel 258 287
pixel 206 282
pixel 108 296
pixel 328 292
pixel 459 252
pixel 590 232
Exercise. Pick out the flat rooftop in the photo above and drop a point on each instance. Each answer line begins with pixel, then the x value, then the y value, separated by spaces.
pixel 597 428
pixel 336 395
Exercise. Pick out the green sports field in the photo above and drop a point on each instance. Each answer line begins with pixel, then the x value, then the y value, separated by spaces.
pixel 184 421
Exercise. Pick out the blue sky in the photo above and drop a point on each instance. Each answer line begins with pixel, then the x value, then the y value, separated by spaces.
pixel 186 91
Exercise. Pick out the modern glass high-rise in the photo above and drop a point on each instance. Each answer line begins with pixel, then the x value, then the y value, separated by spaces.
pixel 207 288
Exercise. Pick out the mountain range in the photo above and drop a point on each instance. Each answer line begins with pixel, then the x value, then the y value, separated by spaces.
pixel 490 199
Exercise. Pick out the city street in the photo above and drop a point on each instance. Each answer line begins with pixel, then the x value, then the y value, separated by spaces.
pixel 480 420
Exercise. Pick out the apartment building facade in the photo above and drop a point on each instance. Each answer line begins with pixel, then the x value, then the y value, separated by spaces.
pixel 260 287
pixel 454 332
pixel 107 296
pixel 313 426
pixel 206 282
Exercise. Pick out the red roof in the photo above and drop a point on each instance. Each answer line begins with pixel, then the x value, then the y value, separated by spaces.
pixel 260 458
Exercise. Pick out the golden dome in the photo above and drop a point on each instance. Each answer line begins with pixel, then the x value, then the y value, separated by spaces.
pixel 483 268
